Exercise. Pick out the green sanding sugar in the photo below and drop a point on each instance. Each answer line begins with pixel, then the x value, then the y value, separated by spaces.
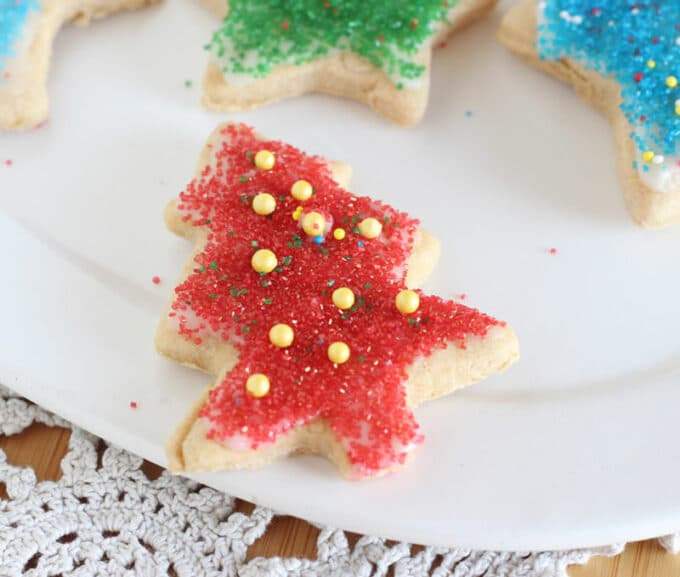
pixel 260 34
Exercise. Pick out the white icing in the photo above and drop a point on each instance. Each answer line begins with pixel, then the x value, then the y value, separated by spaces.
pixel 540 13
pixel 365 439
pixel 238 442
pixel 201 328
pixel 251 58
pixel 191 320
pixel 244 442
pixel 660 176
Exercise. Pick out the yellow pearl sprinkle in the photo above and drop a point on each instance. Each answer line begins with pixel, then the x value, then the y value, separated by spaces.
pixel 338 352
pixel 343 298
pixel 648 156
pixel 677 110
pixel 651 63
pixel 258 385
pixel 671 82
pixel 370 228
pixel 301 190
pixel 281 335
pixel 264 160
pixel 264 260
pixel 339 233
pixel 313 223
pixel 407 301
pixel 264 204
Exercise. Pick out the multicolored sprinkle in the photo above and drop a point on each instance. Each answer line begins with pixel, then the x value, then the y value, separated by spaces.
pixel 258 35
pixel 13 17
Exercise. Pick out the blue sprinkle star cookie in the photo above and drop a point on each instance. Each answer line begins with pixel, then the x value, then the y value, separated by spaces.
pixel 624 58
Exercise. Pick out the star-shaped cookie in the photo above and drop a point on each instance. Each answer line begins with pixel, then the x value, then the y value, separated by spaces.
pixel 622 57
pixel 298 299
pixel 27 32
pixel 375 52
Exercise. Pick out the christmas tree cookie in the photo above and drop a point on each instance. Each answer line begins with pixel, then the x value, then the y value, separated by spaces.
pixel 27 31
pixel 624 58
pixel 375 52
pixel 300 300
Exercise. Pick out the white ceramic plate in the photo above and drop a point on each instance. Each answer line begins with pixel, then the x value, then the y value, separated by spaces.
pixel 576 445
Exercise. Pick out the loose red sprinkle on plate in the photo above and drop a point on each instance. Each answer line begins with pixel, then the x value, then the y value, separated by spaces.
pixel 133 404
pixel 156 280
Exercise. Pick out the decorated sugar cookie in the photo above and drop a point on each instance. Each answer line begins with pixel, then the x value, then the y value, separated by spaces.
pixel 624 58
pixel 27 31
pixel 300 301
pixel 375 52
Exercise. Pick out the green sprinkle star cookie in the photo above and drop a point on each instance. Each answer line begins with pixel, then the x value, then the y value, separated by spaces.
pixel 377 53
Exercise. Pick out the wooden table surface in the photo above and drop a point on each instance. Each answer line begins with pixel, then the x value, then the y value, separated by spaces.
pixel 42 448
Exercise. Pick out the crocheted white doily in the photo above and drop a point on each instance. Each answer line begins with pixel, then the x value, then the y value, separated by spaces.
pixel 105 517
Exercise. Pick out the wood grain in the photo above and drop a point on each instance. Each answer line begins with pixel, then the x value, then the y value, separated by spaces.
pixel 42 447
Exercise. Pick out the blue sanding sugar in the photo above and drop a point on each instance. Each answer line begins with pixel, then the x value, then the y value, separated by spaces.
pixel 637 44
pixel 13 17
